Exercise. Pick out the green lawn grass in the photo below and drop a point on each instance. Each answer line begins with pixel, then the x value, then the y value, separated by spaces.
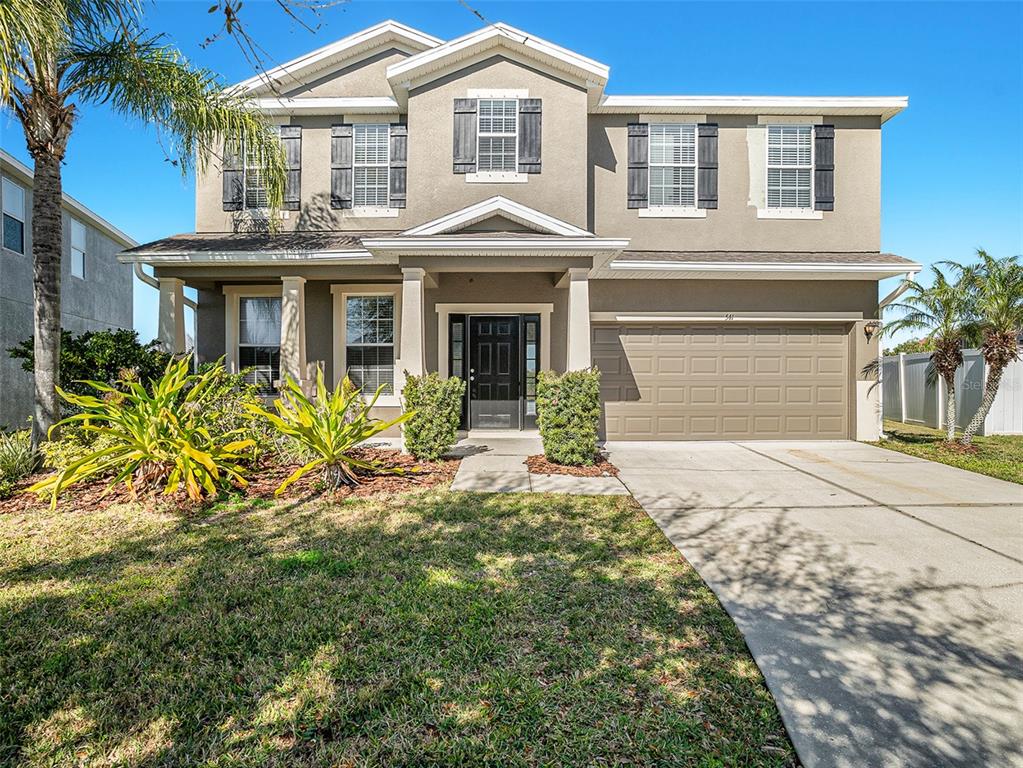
pixel 432 629
pixel 999 456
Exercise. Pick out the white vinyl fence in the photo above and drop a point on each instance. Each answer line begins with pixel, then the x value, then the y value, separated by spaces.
pixel 913 393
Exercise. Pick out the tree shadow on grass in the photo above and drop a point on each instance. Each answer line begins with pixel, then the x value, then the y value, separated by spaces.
pixel 429 629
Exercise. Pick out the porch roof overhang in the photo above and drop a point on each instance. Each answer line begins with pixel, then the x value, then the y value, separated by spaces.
pixel 600 249
pixel 252 249
pixel 745 265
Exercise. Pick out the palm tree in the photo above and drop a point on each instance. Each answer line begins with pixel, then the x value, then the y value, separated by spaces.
pixel 997 288
pixel 56 54
pixel 945 309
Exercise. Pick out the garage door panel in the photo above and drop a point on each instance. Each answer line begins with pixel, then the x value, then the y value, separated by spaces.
pixel 675 381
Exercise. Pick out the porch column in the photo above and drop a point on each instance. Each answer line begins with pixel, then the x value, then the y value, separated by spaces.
pixel 578 320
pixel 413 336
pixel 171 323
pixel 293 362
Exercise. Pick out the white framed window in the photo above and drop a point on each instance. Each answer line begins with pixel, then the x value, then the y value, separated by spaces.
pixel 672 165
pixel 790 167
pixel 371 160
pixel 259 340
pixel 14 215
pixel 369 342
pixel 497 136
pixel 77 249
pixel 253 182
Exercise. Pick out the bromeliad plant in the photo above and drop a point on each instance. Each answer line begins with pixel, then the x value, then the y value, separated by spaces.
pixel 328 429
pixel 160 436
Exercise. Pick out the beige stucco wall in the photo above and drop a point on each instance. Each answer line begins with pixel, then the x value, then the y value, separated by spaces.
pixel 854 225
pixel 368 77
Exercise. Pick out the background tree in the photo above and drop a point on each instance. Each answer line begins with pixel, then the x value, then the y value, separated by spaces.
pixel 996 286
pixel 946 310
pixel 56 54
pixel 911 346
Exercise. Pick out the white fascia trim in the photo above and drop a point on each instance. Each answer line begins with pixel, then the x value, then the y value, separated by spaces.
pixel 497 205
pixel 883 106
pixel 385 30
pixel 9 163
pixel 246 258
pixel 432 59
pixel 327 105
pixel 402 243
pixel 737 317
pixel 751 266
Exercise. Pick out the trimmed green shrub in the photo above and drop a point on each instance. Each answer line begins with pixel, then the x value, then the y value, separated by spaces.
pixel 16 460
pixel 103 356
pixel 568 413
pixel 437 404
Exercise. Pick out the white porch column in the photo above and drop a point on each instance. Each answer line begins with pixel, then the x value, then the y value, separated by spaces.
pixel 172 315
pixel 293 362
pixel 412 352
pixel 578 320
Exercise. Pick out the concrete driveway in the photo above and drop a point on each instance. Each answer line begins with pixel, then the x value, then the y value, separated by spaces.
pixel 879 593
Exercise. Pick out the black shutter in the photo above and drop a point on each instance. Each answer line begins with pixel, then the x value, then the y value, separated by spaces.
pixel 291 138
pixel 465 136
pixel 341 166
pixel 234 188
pixel 639 168
pixel 824 168
pixel 707 165
pixel 399 163
pixel 529 135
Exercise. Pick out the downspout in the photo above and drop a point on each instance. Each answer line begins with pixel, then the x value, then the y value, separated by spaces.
pixel 900 289
pixel 152 282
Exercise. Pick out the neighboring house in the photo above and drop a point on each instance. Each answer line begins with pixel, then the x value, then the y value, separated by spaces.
pixel 96 290
pixel 481 208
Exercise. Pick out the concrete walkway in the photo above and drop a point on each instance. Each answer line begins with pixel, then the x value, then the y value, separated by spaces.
pixel 497 465
pixel 881 595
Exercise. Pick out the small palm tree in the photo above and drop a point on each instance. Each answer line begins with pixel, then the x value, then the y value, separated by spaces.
pixel 997 289
pixel 56 54
pixel 945 309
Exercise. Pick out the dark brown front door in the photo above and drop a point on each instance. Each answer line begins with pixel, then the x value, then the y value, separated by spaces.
pixel 494 372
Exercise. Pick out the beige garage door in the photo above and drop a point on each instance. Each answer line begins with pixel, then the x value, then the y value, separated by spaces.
pixel 723 382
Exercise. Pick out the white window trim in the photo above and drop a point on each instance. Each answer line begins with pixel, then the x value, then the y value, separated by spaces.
pixel 497 93
pixel 375 212
pixel 787 213
pixel 445 310
pixel 497 177
pixel 366 210
pixel 672 212
pixel 71 249
pixel 232 297
pixel 675 211
pixel 22 219
pixel 340 293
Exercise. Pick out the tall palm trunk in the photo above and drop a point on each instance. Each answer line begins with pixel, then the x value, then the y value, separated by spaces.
pixel 47 232
pixel 994 378
pixel 950 409
pixel 999 349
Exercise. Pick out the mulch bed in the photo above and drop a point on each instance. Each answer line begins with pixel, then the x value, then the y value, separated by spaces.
pixel 263 481
pixel 601 467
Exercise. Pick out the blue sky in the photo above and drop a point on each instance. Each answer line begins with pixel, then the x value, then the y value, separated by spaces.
pixel 953 162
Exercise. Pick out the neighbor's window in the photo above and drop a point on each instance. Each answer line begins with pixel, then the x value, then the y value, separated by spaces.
pixel 14 215
pixel 371 160
pixel 498 138
pixel 77 249
pixel 789 166
pixel 369 342
pixel 255 184
pixel 259 340
pixel 672 165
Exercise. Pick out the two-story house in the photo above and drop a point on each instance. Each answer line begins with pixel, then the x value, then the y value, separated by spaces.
pixel 482 208
pixel 95 289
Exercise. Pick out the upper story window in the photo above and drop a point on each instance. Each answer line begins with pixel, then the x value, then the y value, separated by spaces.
pixel 77 249
pixel 259 340
pixel 14 215
pixel 371 163
pixel 790 166
pixel 498 138
pixel 254 183
pixel 672 165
